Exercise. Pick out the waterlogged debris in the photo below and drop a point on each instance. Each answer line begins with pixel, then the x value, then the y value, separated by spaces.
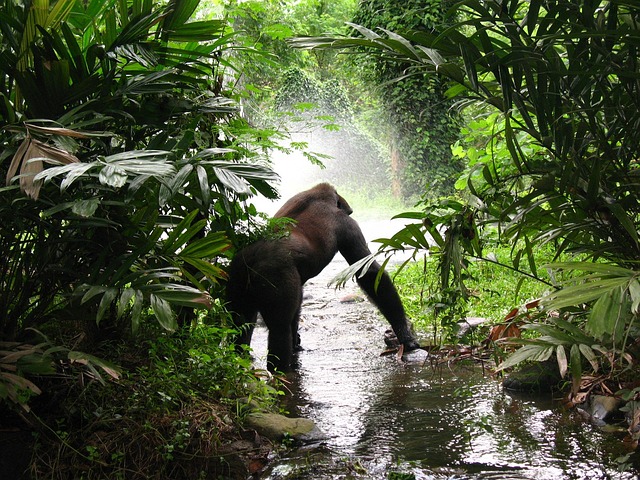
pixel 399 354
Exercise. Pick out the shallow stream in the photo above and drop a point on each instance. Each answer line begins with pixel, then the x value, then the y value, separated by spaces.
pixel 389 420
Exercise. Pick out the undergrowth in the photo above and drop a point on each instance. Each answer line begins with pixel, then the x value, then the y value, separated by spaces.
pixel 174 413
pixel 494 291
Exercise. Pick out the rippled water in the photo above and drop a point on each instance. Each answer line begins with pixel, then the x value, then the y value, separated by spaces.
pixel 384 419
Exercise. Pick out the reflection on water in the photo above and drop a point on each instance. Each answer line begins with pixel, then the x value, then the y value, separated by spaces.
pixel 446 423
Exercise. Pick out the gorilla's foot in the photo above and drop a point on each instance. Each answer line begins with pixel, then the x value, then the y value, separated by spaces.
pixel 390 339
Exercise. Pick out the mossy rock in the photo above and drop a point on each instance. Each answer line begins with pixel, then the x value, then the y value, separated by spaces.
pixel 277 427
pixel 535 377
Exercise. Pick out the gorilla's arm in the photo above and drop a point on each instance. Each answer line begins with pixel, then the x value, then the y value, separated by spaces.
pixel 353 247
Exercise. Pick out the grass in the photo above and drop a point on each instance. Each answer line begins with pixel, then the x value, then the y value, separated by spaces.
pixel 494 292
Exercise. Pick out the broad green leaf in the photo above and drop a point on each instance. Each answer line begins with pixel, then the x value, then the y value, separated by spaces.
pixel 136 311
pixel 105 303
pixel 582 293
pixel 634 293
pixel 232 181
pixel 589 354
pixel 59 13
pixel 163 312
pixel 185 296
pixel 603 268
pixel 607 313
pixel 180 12
pixel 533 353
pixel 203 181
pixel 365 32
pixel 109 368
pixel 92 292
pixel 125 300
pixel 576 333
pixel 112 176
pixel 629 225
pixel 85 208
pixel 184 231
pixel 575 361
pixel 211 271
pixel 208 247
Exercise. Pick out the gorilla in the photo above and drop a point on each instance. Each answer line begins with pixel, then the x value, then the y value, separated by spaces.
pixel 268 275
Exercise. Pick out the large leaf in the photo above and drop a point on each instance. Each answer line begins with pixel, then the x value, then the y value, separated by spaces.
pixel 162 310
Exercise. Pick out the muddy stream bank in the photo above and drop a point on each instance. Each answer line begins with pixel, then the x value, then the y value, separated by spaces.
pixel 386 420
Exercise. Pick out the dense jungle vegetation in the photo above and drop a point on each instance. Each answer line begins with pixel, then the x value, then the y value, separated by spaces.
pixel 136 135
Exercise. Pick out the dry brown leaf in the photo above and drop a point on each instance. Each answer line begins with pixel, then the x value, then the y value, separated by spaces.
pixel 65 132
pixel 532 304
pixel 54 153
pixel 512 314
pixel 30 167
pixel 509 330
pixel 29 157
pixel 16 161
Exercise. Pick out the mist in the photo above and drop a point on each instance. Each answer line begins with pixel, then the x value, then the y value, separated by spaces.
pixel 358 166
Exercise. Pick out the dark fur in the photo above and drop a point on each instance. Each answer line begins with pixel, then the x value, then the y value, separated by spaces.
pixel 268 276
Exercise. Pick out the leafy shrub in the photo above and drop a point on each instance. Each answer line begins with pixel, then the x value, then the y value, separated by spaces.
pixel 493 292
pixel 168 416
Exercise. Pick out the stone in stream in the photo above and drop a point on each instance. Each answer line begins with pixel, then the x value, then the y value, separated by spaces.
pixel 602 408
pixel 276 427
pixel 535 377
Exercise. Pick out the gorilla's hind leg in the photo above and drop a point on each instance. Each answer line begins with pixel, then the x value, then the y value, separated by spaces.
pixel 281 319
pixel 295 336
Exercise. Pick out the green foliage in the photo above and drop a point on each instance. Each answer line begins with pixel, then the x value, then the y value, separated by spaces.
pixel 400 476
pixel 20 361
pixel 322 108
pixel 202 364
pixel 299 89
pixel 127 164
pixel 314 95
pixel 422 123
pixel 180 401
pixel 492 291
pixel 563 80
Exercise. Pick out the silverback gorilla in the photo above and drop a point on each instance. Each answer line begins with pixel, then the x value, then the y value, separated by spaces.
pixel 268 275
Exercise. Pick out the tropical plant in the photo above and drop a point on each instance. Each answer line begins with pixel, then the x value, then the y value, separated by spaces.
pixel 126 160
pixel 563 77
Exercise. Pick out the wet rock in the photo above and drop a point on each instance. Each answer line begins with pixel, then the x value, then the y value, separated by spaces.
pixel 352 298
pixel 417 356
pixel 277 427
pixel 534 377
pixel 602 407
